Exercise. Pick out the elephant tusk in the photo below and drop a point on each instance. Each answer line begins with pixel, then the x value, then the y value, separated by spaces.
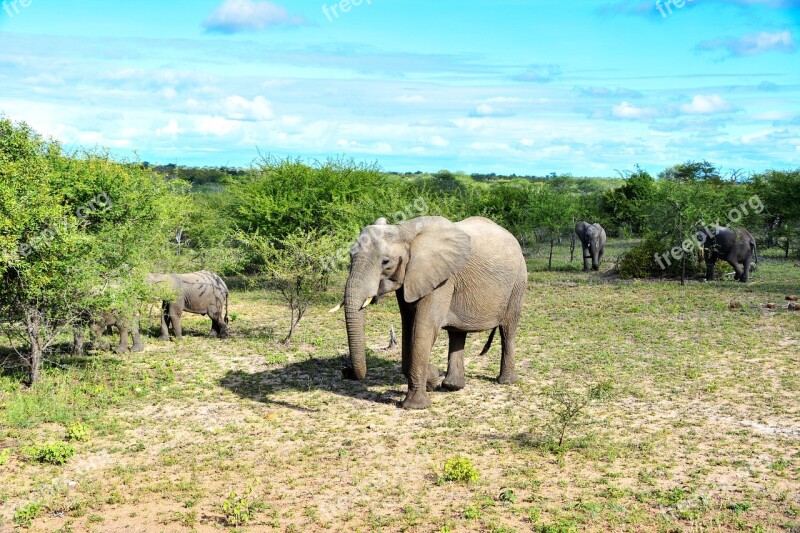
pixel 336 308
pixel 369 301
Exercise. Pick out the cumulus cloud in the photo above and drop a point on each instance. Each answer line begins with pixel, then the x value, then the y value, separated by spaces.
pixel 235 16
pixel 706 105
pixel 487 110
pixel 752 43
pixel 239 108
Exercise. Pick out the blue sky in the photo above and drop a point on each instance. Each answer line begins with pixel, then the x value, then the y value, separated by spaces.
pixel 529 87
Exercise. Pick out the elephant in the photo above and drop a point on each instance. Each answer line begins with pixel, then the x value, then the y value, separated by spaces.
pixel 735 247
pixel 463 277
pixel 202 293
pixel 593 242
pixel 98 326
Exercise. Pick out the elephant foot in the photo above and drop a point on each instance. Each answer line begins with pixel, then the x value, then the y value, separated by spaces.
pixel 163 338
pixel 120 349
pixel 137 348
pixel 507 379
pixel 104 347
pixel 433 378
pixel 416 400
pixel 452 384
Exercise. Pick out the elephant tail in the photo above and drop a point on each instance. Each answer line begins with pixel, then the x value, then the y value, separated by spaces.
pixel 755 251
pixel 488 342
pixel 226 307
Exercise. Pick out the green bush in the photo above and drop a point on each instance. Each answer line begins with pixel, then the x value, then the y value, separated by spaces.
pixel 55 453
pixel 5 455
pixel 26 515
pixel 78 432
pixel 239 510
pixel 640 262
pixel 459 470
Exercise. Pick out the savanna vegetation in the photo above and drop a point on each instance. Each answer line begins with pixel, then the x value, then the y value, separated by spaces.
pixel 643 404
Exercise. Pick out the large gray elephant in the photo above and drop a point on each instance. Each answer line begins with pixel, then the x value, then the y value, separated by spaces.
pixel 736 247
pixel 593 242
pixel 99 325
pixel 463 277
pixel 202 293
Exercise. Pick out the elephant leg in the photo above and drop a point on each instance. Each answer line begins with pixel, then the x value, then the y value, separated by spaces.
pixel 508 374
pixel 175 318
pixel 585 258
pixel 407 326
pixel 165 319
pixel 137 339
pixel 711 260
pixel 122 347
pixel 454 380
pixel 746 269
pixel 737 269
pixel 78 343
pixel 222 327
pixel 214 327
pixel 429 315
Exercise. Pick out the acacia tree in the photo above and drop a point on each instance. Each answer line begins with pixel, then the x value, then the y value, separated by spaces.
pixel 74 230
pixel 553 214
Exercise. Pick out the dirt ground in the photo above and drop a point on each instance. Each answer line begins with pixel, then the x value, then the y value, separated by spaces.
pixel 698 426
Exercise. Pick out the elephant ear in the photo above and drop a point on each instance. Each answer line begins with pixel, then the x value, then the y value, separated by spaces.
pixel 438 251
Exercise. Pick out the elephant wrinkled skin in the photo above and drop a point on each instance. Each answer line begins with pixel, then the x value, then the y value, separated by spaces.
pixel 734 247
pixel 202 293
pixel 593 243
pixel 463 277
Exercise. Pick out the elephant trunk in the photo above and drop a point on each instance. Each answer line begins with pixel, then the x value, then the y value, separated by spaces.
pixel 355 317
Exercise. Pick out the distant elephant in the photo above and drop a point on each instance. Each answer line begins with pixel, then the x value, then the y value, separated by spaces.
pixel 463 277
pixel 593 242
pixel 202 293
pixel 735 247
pixel 98 326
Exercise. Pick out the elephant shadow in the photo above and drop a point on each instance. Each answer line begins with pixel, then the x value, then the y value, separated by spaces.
pixel 321 374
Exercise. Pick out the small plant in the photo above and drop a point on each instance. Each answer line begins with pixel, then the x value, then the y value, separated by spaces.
pixel 239 510
pixel 78 432
pixel 566 406
pixel 507 496
pixel 5 455
pixel 460 470
pixel 24 516
pixel 54 453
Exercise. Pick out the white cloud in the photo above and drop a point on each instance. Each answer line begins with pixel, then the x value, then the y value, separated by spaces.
pixel 626 110
pixel 218 126
pixel 235 16
pixel 706 105
pixel 171 129
pixel 239 108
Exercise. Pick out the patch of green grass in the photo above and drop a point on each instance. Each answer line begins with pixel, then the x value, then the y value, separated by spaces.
pixel 26 515
pixel 54 453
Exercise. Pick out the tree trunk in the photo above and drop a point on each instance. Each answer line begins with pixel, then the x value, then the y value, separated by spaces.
pixel 550 260
pixel 33 322
pixel 572 248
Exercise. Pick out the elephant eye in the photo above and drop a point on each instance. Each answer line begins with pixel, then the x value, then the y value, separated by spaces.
pixel 385 261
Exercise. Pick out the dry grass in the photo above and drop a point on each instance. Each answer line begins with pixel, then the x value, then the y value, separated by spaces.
pixel 702 429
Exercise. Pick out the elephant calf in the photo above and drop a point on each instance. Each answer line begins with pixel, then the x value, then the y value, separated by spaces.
pixel 109 319
pixel 593 242
pixel 202 293
pixel 735 247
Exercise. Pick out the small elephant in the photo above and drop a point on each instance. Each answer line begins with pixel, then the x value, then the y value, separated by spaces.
pixel 462 277
pixel 202 293
pixel 593 242
pixel 99 326
pixel 734 247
